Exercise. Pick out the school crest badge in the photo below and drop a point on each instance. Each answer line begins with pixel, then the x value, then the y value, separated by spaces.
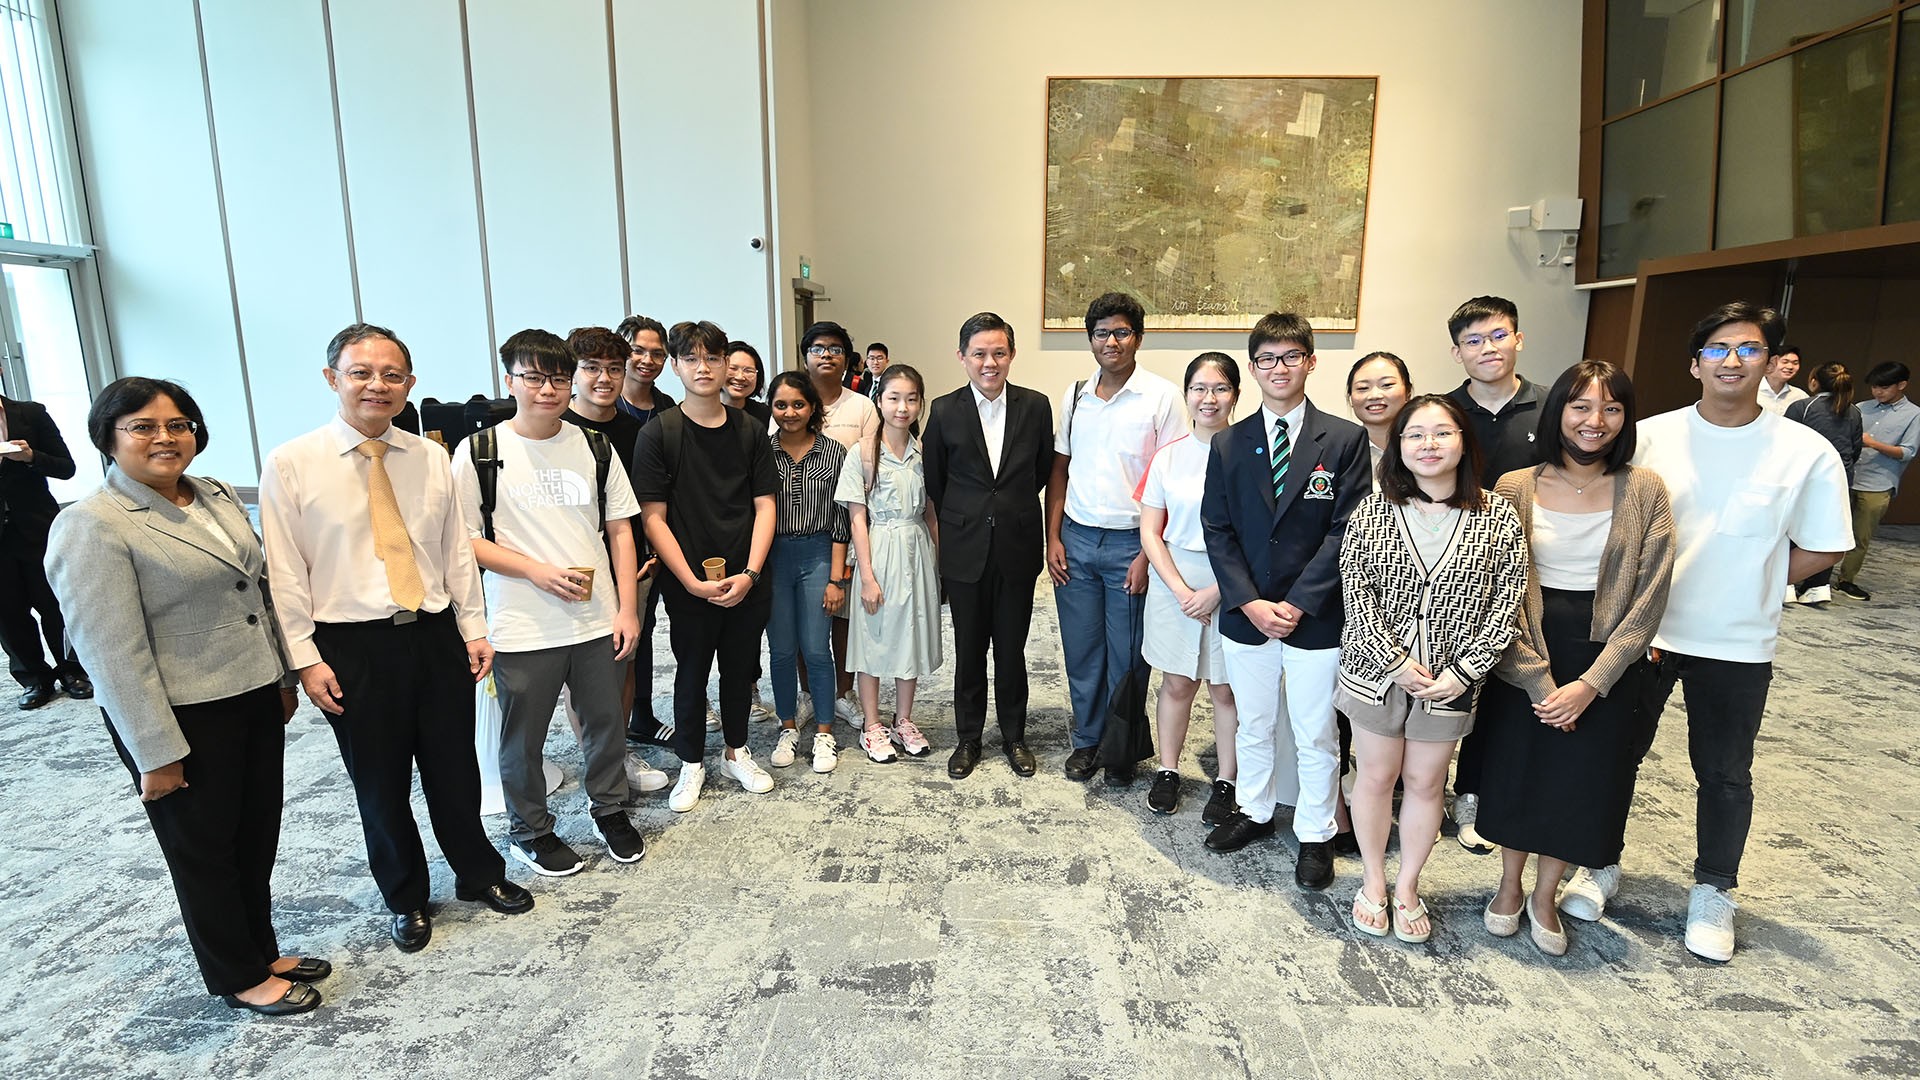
pixel 1319 484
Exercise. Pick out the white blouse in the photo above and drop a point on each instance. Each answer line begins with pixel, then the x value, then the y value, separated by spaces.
pixel 1567 547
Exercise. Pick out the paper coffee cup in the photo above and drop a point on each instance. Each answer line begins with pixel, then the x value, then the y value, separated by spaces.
pixel 586 572
pixel 716 569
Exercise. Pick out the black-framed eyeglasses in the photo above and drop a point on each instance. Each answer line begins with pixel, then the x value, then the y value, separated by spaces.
pixel 1747 351
pixel 1122 334
pixel 818 351
pixel 148 429
pixel 1497 338
pixel 538 380
pixel 1292 358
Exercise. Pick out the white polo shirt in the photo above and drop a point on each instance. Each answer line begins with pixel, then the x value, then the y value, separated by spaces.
pixel 1111 443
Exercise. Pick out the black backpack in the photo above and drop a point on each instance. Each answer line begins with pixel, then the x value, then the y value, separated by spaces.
pixel 484 449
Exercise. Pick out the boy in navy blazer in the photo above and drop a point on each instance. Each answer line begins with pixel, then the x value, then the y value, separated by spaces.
pixel 1280 485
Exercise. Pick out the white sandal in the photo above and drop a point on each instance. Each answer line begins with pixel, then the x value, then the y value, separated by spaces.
pixel 1402 915
pixel 1360 904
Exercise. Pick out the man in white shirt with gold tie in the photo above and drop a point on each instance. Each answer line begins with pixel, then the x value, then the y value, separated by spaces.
pixel 380 600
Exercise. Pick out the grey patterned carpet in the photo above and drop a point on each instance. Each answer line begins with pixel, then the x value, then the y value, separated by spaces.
pixel 884 921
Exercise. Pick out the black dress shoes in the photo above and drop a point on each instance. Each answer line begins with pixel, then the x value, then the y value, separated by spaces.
pixel 1346 843
pixel 1237 832
pixel 76 685
pixel 1080 763
pixel 1314 868
pixel 504 897
pixel 308 970
pixel 38 694
pixel 1120 775
pixel 299 998
pixel 411 931
pixel 965 757
pixel 1020 758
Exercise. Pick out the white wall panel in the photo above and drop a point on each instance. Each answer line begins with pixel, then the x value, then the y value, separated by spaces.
pixel 140 109
pixel 544 114
pixel 273 119
pixel 403 116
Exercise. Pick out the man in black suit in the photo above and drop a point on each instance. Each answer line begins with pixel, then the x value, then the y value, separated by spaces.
pixel 988 451
pixel 33 451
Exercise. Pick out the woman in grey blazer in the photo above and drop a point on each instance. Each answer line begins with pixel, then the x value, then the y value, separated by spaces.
pixel 162 579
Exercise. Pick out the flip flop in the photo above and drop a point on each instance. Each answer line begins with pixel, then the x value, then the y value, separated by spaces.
pixel 1361 903
pixel 1403 915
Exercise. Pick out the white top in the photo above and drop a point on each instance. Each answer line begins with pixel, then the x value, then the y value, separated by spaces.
pixel 1376 455
pixel 1176 478
pixel 1113 441
pixel 319 534
pixel 198 513
pixel 1740 497
pixel 993 423
pixel 1777 403
pixel 851 418
pixel 1567 547
pixel 545 508
pixel 1431 534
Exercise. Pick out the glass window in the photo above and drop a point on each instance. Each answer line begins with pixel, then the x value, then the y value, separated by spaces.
pixel 41 329
pixel 1656 170
pixel 1800 141
pixel 1757 28
pixel 1659 47
pixel 36 197
pixel 1903 169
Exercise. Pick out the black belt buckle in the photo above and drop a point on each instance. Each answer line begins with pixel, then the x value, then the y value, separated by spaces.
pixel 404 617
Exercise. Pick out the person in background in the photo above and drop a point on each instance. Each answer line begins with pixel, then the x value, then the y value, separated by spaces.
pixel 163 574
pixel 1778 391
pixel 1890 435
pixel 746 375
pixel 1831 413
pixel 639 398
pixel 31 451
pixel 864 379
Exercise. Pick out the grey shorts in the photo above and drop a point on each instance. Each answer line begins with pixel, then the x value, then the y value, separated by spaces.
pixel 1399 717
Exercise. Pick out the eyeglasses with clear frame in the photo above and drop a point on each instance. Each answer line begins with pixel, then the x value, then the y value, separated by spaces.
pixel 1221 391
pixel 594 371
pixel 1442 437
pixel 146 430
pixel 362 376
pixel 1497 338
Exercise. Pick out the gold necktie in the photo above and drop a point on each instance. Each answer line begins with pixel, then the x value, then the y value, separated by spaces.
pixel 390 540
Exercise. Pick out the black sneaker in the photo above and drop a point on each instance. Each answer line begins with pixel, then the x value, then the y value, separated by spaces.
pixel 1848 588
pixel 547 855
pixel 1164 796
pixel 1221 804
pixel 624 842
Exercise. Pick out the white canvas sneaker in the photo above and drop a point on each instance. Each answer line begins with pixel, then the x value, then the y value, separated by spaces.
pixel 751 776
pixel 847 708
pixel 826 752
pixel 1819 594
pixel 758 709
pixel 1710 923
pixel 686 790
pixel 783 748
pixel 642 776
pixel 1586 893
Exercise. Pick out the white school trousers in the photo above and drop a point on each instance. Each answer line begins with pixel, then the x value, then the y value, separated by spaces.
pixel 1287 742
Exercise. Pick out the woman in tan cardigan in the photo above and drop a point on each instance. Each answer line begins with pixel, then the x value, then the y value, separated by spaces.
pixel 1559 715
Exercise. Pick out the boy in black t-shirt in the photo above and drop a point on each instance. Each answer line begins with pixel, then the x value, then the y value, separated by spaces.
pixel 704 477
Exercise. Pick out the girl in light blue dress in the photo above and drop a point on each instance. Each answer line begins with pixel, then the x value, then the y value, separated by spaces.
pixel 894 630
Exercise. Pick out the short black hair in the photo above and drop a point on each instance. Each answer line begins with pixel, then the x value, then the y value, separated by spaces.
pixel 597 343
pixel 1218 359
pixel 359 332
pixel 1398 483
pixel 1772 325
pixel 1478 308
pixel 1550 444
pixel 1108 305
pixel 882 346
pixel 759 366
pixel 1406 380
pixel 631 326
pixel 537 350
pixel 1891 373
pixel 985 322
pixel 825 330
pixel 803 386
pixel 1278 326
pixel 124 397
pixel 1784 348
pixel 687 336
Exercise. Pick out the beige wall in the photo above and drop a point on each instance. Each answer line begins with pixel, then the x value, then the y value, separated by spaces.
pixel 927 148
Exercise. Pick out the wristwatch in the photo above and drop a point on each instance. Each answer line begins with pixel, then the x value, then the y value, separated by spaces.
pixel 841 582
pixel 754 575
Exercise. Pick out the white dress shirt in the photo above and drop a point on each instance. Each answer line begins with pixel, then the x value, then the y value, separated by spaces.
pixel 1111 443
pixel 1776 403
pixel 1293 418
pixel 993 423
pixel 319 534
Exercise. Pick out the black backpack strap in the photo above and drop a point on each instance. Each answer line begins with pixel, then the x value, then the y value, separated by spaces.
pixel 484 449
pixel 602 465
pixel 672 429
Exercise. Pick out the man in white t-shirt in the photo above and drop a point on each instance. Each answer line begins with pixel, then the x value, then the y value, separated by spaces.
pixel 562 600
pixel 1110 427
pixel 1758 501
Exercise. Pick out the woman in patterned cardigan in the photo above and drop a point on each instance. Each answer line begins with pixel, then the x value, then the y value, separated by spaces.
pixel 1432 570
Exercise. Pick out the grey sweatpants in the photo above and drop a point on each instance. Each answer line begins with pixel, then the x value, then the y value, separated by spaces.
pixel 529 687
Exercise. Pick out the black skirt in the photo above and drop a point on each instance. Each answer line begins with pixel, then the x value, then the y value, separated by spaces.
pixel 1561 794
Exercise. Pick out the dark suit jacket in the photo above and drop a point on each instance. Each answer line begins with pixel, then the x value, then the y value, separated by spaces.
pixel 859 380
pixel 980 511
pixel 26 506
pixel 1289 548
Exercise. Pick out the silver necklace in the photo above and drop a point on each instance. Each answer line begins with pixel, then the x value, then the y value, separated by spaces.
pixel 1557 471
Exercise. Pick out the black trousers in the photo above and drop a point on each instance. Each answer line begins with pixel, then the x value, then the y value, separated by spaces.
pixel 24 591
pixel 408 697
pixel 996 612
pixel 221 832
pixel 1725 700
pixel 701 633
pixel 643 718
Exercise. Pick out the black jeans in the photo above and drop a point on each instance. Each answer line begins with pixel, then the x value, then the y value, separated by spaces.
pixel 700 633
pixel 1725 700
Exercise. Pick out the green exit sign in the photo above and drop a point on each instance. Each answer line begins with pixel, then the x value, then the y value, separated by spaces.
pixel 806 268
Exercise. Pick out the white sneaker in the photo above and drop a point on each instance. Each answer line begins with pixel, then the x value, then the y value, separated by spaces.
pixel 826 752
pixel 1466 811
pixel 713 718
pixel 758 710
pixel 642 776
pixel 804 712
pixel 847 707
pixel 783 748
pixel 748 772
pixel 1819 594
pixel 686 790
pixel 1586 893
pixel 1710 923
pixel 877 741
pixel 1793 597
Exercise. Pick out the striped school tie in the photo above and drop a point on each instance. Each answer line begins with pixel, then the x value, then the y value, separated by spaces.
pixel 1282 453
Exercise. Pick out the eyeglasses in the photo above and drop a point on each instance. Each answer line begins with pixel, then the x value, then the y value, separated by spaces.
pixel 147 429
pixel 1497 338
pixel 658 356
pixel 538 380
pixel 1292 358
pixel 1210 391
pixel 361 377
pixel 817 351
pixel 594 371
pixel 743 369
pixel 703 360
pixel 1747 351
pixel 1123 334
pixel 1438 438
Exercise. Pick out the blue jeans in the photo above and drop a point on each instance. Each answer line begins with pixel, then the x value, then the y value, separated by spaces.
pixel 1100 625
pixel 800 625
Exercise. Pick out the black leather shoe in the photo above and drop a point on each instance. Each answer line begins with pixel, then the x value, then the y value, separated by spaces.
pixel 1346 843
pixel 1019 758
pixel 1080 763
pixel 505 897
pixel 299 998
pixel 1120 775
pixel 308 970
pixel 76 685
pixel 1314 868
pixel 965 757
pixel 411 931
pixel 1237 832
pixel 38 694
